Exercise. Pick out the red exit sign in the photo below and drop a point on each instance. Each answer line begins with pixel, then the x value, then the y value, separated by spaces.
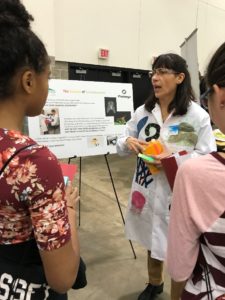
pixel 103 53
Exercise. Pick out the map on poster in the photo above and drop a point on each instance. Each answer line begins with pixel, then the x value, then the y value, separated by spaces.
pixel 82 118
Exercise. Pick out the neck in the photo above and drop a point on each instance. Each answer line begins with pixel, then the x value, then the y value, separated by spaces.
pixel 165 101
pixel 11 115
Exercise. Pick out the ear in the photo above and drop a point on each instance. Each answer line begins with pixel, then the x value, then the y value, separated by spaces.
pixel 180 78
pixel 220 95
pixel 28 81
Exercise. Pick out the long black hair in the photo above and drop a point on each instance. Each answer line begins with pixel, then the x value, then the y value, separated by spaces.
pixel 184 93
pixel 19 45
pixel 215 73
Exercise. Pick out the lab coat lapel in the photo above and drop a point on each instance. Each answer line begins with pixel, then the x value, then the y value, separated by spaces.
pixel 157 114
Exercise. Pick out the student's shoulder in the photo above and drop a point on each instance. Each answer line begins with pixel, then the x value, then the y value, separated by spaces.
pixel 196 167
pixel 43 153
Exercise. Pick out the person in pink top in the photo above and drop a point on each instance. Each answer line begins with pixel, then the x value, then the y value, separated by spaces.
pixel 196 239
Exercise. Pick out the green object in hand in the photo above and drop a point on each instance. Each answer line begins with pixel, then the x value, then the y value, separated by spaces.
pixel 146 157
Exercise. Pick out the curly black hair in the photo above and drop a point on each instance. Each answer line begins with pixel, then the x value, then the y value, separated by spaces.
pixel 20 47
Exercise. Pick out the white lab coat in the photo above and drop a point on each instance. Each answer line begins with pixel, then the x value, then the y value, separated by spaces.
pixel 148 208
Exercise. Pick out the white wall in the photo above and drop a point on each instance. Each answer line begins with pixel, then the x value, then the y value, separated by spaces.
pixel 165 24
pixel 90 25
pixel 211 33
pixel 43 12
pixel 133 30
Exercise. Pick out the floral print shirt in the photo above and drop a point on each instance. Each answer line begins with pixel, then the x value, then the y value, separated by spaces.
pixel 32 203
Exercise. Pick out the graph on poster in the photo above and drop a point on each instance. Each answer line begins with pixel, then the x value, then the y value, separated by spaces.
pixel 82 118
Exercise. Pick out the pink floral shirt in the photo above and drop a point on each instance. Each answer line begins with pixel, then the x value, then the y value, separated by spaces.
pixel 32 203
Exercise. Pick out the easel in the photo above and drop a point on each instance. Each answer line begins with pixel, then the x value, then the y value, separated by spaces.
pixel 114 189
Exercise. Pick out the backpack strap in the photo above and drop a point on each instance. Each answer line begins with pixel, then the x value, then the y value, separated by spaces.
pixel 11 157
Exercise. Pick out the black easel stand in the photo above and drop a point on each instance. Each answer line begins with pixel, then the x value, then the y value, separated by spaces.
pixel 114 189
pixel 117 199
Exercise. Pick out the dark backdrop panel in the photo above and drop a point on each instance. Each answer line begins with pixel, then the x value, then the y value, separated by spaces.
pixel 138 78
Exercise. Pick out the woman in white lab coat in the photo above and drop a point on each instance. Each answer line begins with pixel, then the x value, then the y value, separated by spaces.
pixel 170 115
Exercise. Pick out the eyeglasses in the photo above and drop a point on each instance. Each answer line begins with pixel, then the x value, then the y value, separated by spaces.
pixel 161 72
pixel 205 97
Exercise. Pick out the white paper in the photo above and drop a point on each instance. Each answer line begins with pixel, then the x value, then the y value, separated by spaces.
pixel 91 116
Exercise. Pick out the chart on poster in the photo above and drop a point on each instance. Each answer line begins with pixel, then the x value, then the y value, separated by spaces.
pixel 82 118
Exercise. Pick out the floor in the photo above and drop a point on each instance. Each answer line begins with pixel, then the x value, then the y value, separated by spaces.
pixel 112 271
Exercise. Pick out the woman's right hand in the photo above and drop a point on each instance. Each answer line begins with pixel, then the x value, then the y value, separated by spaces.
pixel 135 145
pixel 72 196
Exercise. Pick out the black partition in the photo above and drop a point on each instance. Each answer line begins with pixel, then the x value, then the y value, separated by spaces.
pixel 138 78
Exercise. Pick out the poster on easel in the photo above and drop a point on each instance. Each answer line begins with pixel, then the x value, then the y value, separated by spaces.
pixel 82 118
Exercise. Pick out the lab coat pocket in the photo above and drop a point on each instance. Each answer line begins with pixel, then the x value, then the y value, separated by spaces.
pixel 141 199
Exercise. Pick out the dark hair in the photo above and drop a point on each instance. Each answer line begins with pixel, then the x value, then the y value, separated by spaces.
pixel 215 73
pixel 184 93
pixel 19 46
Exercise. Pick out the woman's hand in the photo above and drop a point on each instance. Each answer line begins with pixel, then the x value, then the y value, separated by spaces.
pixel 72 196
pixel 135 145
pixel 157 158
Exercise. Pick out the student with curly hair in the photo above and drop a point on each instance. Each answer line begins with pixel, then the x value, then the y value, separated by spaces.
pixel 39 248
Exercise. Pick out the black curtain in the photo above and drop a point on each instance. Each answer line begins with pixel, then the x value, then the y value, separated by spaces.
pixel 138 78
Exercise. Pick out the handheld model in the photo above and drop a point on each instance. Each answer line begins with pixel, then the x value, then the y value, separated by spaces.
pixel 154 148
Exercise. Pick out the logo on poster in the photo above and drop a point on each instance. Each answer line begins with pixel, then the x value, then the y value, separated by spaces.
pixel 124 94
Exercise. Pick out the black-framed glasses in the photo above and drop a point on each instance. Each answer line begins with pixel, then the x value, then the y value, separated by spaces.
pixel 205 97
pixel 161 72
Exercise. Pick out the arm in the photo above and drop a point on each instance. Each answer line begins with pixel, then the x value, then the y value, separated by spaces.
pixel 177 289
pixel 61 266
pixel 72 199
pixel 183 235
pixel 54 225
pixel 61 276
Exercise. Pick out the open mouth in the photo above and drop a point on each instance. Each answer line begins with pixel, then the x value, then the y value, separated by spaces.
pixel 157 88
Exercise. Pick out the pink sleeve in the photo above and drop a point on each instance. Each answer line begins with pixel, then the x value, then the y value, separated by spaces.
pixel 183 234
pixel 195 207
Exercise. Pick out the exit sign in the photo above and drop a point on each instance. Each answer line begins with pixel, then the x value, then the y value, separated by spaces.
pixel 103 53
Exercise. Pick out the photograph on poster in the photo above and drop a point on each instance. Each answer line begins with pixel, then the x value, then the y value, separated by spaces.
pixel 96 141
pixel 110 106
pixel 121 117
pixel 49 121
pixel 111 140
